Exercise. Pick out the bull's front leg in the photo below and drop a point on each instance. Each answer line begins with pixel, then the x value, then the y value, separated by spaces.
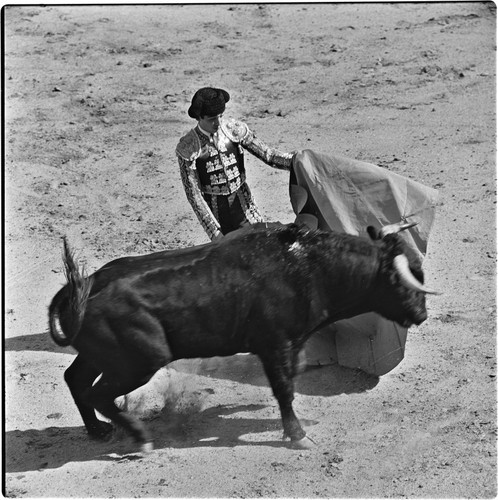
pixel 279 368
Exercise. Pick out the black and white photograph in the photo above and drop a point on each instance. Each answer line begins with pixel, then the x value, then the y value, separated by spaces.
pixel 249 250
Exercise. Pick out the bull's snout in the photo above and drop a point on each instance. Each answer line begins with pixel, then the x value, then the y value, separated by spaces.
pixel 415 316
pixel 420 316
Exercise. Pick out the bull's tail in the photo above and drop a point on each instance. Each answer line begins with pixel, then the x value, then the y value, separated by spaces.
pixel 54 328
pixel 68 307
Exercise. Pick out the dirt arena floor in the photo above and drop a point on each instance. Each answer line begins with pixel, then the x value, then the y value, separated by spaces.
pixel 95 102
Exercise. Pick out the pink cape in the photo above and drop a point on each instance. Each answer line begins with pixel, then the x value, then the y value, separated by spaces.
pixel 346 195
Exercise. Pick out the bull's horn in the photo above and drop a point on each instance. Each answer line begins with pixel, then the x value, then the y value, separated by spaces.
pixel 395 228
pixel 406 277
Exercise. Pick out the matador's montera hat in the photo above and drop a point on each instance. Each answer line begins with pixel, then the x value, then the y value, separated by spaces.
pixel 208 101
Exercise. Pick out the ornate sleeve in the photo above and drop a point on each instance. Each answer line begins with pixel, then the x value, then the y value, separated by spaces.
pixel 238 131
pixel 192 187
pixel 271 156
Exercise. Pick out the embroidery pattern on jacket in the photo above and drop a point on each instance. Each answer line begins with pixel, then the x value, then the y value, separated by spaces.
pixel 212 167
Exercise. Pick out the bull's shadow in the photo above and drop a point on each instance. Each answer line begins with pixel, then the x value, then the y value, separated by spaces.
pixel 53 447
pixel 225 426
pixel 35 342
pixel 327 380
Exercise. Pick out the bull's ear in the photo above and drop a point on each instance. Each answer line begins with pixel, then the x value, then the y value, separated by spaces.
pixel 373 233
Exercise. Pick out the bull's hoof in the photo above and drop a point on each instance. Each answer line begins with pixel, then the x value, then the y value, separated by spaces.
pixel 100 432
pixel 302 444
pixel 146 448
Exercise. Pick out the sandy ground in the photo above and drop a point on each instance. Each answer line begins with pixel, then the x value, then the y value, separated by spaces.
pixel 95 102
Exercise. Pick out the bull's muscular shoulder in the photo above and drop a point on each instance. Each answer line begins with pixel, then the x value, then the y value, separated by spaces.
pixel 189 146
pixel 235 130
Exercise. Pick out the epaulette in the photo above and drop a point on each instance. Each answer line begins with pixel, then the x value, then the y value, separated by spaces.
pixel 235 130
pixel 189 146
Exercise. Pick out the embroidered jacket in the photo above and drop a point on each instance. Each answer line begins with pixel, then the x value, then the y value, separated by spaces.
pixel 211 167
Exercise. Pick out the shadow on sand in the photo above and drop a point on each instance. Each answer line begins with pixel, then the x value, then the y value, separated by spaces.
pixel 213 427
pixel 35 342
pixel 219 426
pixel 328 380
pixel 54 447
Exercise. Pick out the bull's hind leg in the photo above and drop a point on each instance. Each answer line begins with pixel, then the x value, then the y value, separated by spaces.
pixel 106 390
pixel 279 368
pixel 140 352
pixel 79 377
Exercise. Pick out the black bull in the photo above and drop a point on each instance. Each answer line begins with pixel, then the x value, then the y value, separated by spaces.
pixel 264 290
